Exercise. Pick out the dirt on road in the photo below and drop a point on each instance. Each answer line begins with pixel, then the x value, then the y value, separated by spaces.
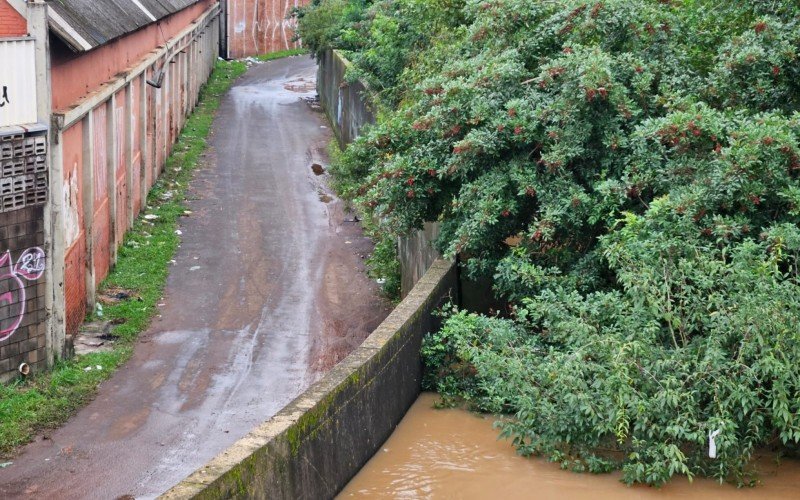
pixel 268 290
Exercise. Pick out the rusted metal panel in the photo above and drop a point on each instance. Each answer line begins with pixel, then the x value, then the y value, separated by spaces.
pixel 17 82
pixel 260 26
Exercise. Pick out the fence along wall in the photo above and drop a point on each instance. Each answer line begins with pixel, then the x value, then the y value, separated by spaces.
pixel 260 26
pixel 108 150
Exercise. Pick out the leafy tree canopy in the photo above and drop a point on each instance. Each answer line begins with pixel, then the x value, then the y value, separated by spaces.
pixel 627 170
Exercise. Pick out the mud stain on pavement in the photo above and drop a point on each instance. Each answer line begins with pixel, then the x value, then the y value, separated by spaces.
pixel 129 424
pixel 346 305
pixel 264 295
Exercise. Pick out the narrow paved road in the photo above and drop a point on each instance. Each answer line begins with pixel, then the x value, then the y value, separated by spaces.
pixel 266 293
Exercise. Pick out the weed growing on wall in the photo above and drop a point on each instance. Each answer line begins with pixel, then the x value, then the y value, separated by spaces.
pixel 47 400
pixel 383 263
pixel 628 173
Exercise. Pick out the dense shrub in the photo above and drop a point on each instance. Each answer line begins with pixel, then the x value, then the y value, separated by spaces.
pixel 381 38
pixel 627 171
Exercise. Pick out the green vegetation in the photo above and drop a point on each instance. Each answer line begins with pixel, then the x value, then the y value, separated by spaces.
pixel 382 264
pixel 628 172
pixel 46 400
pixel 380 38
pixel 281 54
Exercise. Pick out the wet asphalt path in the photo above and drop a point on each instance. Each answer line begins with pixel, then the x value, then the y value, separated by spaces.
pixel 267 292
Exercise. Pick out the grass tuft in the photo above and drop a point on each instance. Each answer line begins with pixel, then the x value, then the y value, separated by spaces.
pixel 281 54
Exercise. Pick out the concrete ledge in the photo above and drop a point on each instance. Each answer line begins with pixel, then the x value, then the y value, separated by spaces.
pixel 318 442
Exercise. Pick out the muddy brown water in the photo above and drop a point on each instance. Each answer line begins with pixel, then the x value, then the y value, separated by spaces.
pixel 456 454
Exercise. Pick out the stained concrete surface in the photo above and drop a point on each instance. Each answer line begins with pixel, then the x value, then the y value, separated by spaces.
pixel 267 292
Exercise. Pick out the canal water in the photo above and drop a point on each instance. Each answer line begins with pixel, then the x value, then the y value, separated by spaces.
pixel 453 453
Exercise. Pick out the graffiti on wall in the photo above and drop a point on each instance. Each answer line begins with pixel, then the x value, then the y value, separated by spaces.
pixel 29 267
pixel 260 26
pixel 72 221
pixel 4 99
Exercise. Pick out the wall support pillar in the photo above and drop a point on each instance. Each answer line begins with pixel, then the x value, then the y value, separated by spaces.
pixel 143 93
pixel 130 126
pixel 54 243
pixel 112 157
pixel 87 197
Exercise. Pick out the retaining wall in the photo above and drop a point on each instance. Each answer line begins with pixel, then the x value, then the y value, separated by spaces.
pixel 416 254
pixel 317 443
pixel 347 111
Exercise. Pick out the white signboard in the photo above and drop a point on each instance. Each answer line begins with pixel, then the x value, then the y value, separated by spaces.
pixel 17 82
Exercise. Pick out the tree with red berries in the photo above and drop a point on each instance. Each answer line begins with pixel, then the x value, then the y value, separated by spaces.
pixel 644 158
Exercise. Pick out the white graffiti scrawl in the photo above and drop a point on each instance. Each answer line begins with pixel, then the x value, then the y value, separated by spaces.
pixel 30 267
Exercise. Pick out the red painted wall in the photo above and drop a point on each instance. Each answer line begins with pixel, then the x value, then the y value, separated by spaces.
pixel 75 75
pixel 260 26
pixel 75 269
pixel 11 23
pixel 101 223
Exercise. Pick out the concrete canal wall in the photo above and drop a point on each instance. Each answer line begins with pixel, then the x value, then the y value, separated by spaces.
pixel 317 443
pixel 344 102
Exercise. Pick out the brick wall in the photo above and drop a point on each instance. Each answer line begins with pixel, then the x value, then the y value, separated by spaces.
pixel 11 23
pixel 23 192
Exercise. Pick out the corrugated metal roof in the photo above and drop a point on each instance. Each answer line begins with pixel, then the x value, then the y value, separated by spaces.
pixel 86 24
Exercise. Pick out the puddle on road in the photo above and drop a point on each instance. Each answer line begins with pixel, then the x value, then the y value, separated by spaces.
pixel 301 85
pixel 456 454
